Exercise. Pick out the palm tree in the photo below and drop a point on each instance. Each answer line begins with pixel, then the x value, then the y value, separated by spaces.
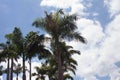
pixel 6 55
pixel 60 27
pixel 13 55
pixel 13 49
pixel 19 41
pixel 34 47
pixel 29 41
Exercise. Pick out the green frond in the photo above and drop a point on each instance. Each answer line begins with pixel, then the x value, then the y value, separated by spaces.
pixel 74 36
pixel 72 70
pixel 71 60
pixel 75 52
pixel 67 76
pixel 39 23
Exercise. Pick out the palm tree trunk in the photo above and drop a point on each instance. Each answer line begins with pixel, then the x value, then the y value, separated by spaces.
pixel 59 60
pixel 8 69
pixel 24 71
pixel 30 69
pixel 60 70
pixel 17 76
pixel 11 74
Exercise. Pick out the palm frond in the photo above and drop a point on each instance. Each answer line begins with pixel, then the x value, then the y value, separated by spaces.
pixel 39 23
pixel 74 36
pixel 67 76
pixel 75 52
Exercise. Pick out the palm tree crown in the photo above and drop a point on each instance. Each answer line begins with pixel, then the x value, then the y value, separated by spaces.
pixel 60 27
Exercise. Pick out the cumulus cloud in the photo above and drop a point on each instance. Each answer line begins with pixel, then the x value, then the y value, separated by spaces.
pixel 113 6
pixel 99 60
pixel 76 6
pixel 91 30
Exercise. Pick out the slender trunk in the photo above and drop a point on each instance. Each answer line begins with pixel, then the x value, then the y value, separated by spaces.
pixel 59 60
pixel 24 71
pixel 8 69
pixel 17 76
pixel 60 70
pixel 30 69
pixel 11 74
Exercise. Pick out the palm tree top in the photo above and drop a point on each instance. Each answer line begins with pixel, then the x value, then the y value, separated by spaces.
pixel 60 25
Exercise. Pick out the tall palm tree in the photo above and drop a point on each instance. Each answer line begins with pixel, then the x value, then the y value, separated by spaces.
pixel 29 38
pixel 13 48
pixel 13 55
pixel 34 46
pixel 19 41
pixel 29 41
pixel 60 27
pixel 8 54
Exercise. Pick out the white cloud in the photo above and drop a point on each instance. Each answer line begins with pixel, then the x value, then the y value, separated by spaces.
pixel 76 6
pixel 113 5
pixel 1 78
pixel 90 78
pixel 91 30
pixel 58 3
pixel 100 60
pixel 95 14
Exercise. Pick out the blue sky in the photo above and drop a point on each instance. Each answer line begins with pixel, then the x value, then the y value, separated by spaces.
pixel 18 13
pixel 99 23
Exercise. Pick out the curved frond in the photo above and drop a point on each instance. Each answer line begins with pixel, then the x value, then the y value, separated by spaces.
pixel 39 23
pixel 74 36
pixel 67 76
